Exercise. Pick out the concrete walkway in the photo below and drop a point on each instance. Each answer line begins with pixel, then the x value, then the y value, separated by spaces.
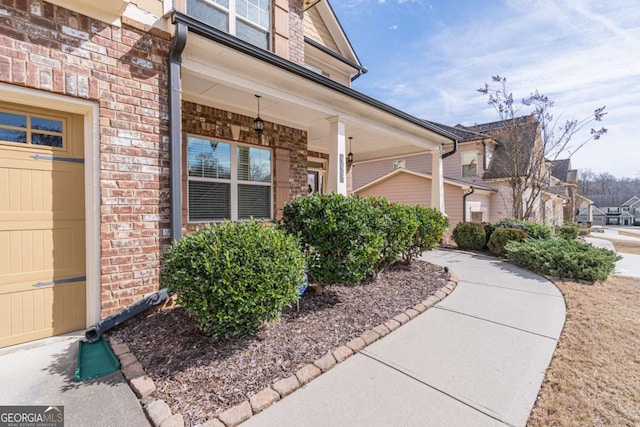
pixel 477 358
pixel 629 265
pixel 42 372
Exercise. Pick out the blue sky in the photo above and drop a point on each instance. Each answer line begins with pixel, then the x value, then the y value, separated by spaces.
pixel 429 57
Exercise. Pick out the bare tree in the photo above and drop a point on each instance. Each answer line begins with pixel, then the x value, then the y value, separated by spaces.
pixel 527 142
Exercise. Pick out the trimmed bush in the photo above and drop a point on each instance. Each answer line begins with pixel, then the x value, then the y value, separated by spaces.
pixel 569 231
pixel 431 227
pixel 469 235
pixel 397 224
pixel 501 236
pixel 233 276
pixel 488 231
pixel 566 259
pixel 341 244
pixel 533 229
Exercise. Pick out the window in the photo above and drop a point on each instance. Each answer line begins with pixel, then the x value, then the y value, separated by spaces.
pixel 476 216
pixel 469 163
pixel 227 181
pixel 398 164
pixel 31 129
pixel 248 20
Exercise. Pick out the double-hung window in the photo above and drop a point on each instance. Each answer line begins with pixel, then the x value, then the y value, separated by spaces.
pixel 469 163
pixel 228 181
pixel 248 20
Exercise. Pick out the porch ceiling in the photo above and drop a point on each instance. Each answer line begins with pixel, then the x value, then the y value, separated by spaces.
pixel 215 75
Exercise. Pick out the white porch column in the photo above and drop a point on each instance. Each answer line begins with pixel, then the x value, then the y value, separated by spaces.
pixel 337 177
pixel 590 213
pixel 437 181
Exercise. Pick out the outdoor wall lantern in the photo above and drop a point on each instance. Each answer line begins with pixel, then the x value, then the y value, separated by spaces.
pixel 258 123
pixel 350 155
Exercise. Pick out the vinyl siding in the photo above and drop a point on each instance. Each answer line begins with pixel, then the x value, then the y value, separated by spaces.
pixel 316 30
pixel 479 203
pixel 415 190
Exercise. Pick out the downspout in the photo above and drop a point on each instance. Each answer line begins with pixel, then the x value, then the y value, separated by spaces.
pixel 464 203
pixel 455 148
pixel 175 136
pixel 484 155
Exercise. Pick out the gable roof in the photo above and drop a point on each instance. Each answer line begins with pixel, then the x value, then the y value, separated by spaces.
pixel 506 155
pixel 610 200
pixel 595 212
pixel 330 35
pixel 560 169
pixel 462 184
pixel 463 134
pixel 632 201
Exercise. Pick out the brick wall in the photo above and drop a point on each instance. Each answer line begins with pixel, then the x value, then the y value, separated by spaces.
pixel 296 31
pixel 123 69
pixel 215 123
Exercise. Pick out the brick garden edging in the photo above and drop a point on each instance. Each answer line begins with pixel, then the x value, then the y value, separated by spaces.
pixel 159 413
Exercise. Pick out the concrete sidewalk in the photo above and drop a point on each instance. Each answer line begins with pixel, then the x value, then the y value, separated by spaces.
pixel 42 372
pixel 477 358
pixel 629 265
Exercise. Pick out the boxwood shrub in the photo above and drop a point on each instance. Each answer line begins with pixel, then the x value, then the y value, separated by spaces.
pixel 533 229
pixel 566 259
pixel 431 227
pixel 397 224
pixel 501 236
pixel 340 235
pixel 469 235
pixel 569 231
pixel 232 276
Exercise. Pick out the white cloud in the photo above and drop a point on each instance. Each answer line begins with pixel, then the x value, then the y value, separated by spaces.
pixel 583 54
pixel 393 27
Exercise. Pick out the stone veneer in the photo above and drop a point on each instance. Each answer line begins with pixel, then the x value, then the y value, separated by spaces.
pixel 124 71
pixel 288 144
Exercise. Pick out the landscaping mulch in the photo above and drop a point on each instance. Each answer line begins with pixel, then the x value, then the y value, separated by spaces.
pixel 200 377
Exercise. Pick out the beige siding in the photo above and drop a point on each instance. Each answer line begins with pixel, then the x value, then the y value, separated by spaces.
pixel 403 188
pixel 500 202
pixel 479 203
pixel 364 173
pixel 316 30
pixel 453 203
pixel 415 190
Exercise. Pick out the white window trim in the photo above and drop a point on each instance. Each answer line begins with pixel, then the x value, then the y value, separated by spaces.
pixel 462 164
pixel 233 17
pixel 233 182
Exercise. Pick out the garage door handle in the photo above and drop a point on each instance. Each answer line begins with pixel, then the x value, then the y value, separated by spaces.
pixel 57 158
pixel 61 281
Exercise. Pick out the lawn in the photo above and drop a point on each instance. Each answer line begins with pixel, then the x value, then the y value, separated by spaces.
pixel 624 246
pixel 594 377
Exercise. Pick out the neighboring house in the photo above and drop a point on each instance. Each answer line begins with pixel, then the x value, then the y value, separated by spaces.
pixel 564 181
pixel 413 188
pixel 477 166
pixel 126 123
pixel 615 209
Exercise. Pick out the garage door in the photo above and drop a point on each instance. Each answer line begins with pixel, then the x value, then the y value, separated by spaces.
pixel 42 232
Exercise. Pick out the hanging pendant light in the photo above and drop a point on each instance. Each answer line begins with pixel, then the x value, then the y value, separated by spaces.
pixel 350 155
pixel 258 123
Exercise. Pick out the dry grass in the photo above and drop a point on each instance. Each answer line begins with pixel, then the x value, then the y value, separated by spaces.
pixel 594 377
pixel 624 246
pixel 628 234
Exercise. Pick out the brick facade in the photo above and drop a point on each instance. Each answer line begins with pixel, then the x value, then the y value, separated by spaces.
pixel 123 69
pixel 215 123
pixel 296 31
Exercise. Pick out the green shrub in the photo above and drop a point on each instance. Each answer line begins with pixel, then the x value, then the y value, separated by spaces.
pixel 431 227
pixel 636 223
pixel 533 229
pixel 234 275
pixel 569 231
pixel 341 244
pixel 397 224
pixel 502 236
pixel 488 231
pixel 469 235
pixel 566 259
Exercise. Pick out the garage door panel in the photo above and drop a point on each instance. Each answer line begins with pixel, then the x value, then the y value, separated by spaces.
pixel 42 234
